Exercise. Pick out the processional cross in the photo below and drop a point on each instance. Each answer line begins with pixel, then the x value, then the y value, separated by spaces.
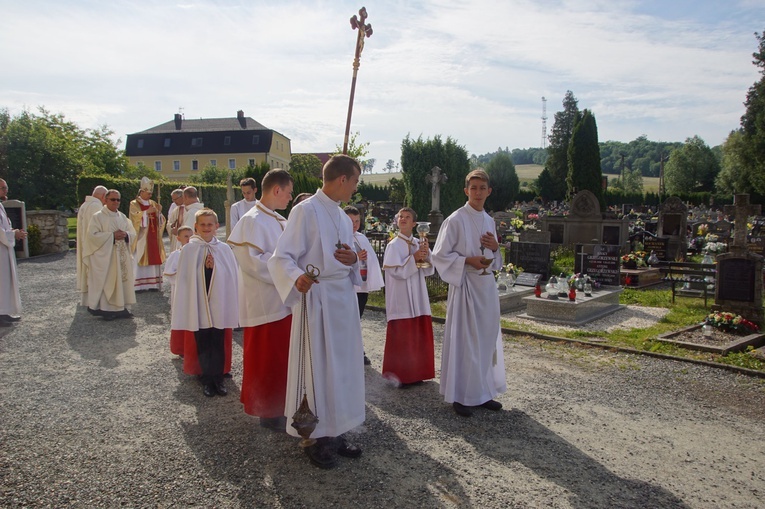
pixel 741 210
pixel 364 30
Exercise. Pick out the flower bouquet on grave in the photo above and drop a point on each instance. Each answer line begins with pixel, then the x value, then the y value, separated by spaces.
pixel 715 248
pixel 729 322
pixel 702 230
pixel 634 260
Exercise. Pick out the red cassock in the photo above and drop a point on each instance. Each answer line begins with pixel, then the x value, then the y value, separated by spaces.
pixel 409 354
pixel 191 361
pixel 177 339
pixel 265 351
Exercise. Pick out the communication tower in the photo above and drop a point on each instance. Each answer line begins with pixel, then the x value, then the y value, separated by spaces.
pixel 544 122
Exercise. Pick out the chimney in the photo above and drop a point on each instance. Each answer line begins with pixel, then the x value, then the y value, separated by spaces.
pixel 178 121
pixel 241 119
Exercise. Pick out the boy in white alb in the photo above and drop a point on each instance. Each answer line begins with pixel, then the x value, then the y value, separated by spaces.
pixel 409 357
pixel 369 267
pixel 171 268
pixel 472 361
pixel 266 320
pixel 205 298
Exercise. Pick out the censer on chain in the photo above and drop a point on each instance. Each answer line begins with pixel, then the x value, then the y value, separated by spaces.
pixel 304 420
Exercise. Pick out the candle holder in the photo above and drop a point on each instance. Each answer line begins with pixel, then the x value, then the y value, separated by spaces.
pixel 423 228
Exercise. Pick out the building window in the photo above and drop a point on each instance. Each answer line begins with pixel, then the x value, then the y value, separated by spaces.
pixel 227 141
pixel 251 163
pixel 196 142
pixel 213 162
pixel 255 139
pixel 158 165
pixel 176 166
pixel 140 143
pixel 194 165
pixel 232 164
pixel 167 142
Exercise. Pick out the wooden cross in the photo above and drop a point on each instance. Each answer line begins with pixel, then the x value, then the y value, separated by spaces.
pixel 364 31
pixel 741 210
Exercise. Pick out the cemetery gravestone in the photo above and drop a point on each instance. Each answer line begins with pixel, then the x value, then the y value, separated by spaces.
pixel 532 256
pixel 604 265
pixel 658 245
pixel 673 217
pixel 739 271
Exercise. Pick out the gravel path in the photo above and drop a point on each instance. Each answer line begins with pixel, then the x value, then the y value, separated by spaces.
pixel 99 414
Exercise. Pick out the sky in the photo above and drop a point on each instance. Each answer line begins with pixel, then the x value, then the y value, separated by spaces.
pixel 472 70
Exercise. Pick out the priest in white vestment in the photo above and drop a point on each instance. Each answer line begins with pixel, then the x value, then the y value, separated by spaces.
pixel 204 300
pixel 320 234
pixel 92 204
pixel 249 187
pixel 472 361
pixel 191 206
pixel 108 261
pixel 10 299
pixel 174 217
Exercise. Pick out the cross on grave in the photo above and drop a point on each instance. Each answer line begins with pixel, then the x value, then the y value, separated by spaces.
pixel 741 210
pixel 582 260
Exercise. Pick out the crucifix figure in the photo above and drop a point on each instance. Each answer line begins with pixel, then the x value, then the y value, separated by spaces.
pixel 436 177
pixel 741 210
pixel 364 31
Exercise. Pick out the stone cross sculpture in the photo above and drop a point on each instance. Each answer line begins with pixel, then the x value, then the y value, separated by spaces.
pixel 741 210
pixel 436 177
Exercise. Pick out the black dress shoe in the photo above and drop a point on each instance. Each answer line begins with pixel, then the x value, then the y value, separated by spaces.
pixel 347 450
pixel 9 318
pixel 492 405
pixel 220 389
pixel 278 424
pixel 411 384
pixel 320 455
pixel 367 362
pixel 462 410
pixel 95 312
pixel 124 314
pixel 209 390
pixel 108 315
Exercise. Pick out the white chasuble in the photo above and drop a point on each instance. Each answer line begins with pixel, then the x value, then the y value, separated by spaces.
pixel 472 361
pixel 253 241
pixel 87 210
pixel 10 300
pixel 335 371
pixel 108 262
pixel 195 306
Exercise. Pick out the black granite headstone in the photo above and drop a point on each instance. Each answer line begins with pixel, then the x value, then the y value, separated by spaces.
pixel 657 244
pixel 604 265
pixel 527 279
pixel 735 279
pixel 532 256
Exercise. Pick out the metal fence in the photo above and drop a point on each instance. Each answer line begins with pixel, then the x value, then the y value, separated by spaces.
pixel 437 288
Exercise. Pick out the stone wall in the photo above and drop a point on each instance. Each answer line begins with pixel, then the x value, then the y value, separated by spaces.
pixel 54 232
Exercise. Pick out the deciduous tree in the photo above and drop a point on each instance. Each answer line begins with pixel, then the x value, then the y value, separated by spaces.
pixel 691 168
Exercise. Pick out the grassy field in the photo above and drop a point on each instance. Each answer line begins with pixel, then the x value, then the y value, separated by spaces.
pixel 526 173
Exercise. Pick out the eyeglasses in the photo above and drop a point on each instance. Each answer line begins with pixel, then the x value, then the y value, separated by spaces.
pixel 114 199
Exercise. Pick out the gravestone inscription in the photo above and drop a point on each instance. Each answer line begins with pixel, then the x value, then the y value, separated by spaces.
pixel 604 265
pixel 532 256
pixel 658 245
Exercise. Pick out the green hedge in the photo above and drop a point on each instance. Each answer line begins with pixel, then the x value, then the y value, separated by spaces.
pixel 212 195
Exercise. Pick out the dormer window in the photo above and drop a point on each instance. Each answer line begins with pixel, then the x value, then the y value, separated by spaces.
pixel 196 142
pixel 227 141
pixel 140 143
pixel 255 139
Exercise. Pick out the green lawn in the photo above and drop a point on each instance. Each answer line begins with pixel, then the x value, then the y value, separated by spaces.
pixel 71 223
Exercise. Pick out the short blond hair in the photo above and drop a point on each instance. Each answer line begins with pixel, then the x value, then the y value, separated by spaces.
pixel 205 212
pixel 478 173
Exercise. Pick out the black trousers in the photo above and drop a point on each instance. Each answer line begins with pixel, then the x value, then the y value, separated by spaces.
pixel 362 302
pixel 211 354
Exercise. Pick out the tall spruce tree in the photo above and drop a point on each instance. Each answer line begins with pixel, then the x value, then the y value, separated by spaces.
pixel 744 166
pixel 584 158
pixel 557 160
